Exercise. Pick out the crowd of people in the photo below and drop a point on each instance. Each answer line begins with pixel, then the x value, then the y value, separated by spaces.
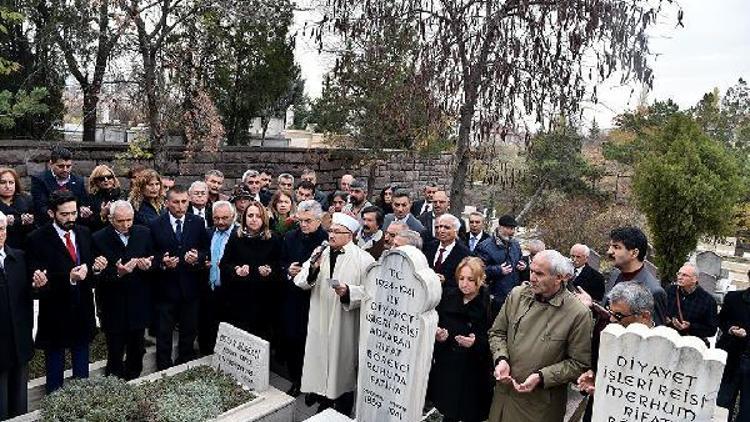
pixel 286 261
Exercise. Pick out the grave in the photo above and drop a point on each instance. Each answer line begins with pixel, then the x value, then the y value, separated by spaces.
pixel 397 336
pixel 709 262
pixel 655 375
pixel 594 260
pixel 242 355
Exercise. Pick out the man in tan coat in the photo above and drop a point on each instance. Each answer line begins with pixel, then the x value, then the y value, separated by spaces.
pixel 541 340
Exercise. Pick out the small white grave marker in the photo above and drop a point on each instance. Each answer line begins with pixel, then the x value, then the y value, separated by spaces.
pixel 243 355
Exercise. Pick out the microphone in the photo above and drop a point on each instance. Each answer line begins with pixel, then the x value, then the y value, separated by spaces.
pixel 316 256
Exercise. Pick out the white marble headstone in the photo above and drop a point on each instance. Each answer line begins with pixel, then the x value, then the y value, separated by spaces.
pixel 242 355
pixel 709 262
pixel 328 415
pixel 397 335
pixel 655 375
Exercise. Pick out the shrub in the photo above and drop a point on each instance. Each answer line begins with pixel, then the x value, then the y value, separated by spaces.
pixel 100 399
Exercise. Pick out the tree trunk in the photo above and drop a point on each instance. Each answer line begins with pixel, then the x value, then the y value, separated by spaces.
pixel 90 102
pixel 463 152
pixel 527 207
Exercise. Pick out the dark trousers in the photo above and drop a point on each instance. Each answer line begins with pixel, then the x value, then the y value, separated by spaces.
pixel 208 319
pixel 13 398
pixel 294 354
pixel 733 384
pixel 129 345
pixel 55 364
pixel 343 404
pixel 185 314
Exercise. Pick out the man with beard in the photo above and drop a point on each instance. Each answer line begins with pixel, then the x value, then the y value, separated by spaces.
pixel 502 258
pixel 295 304
pixel 357 199
pixel 335 276
pixel 61 272
pixel 123 291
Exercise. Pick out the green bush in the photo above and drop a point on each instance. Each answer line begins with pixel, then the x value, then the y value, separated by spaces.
pixel 101 399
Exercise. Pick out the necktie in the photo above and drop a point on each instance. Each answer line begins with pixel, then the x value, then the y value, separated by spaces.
pixel 216 244
pixel 472 243
pixel 439 261
pixel 178 231
pixel 71 248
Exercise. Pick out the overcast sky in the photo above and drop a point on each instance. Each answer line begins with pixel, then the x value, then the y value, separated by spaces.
pixel 712 50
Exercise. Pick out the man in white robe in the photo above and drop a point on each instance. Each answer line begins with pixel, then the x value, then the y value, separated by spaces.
pixel 335 275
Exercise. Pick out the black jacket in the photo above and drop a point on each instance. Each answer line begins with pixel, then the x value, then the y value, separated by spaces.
pixel 735 311
pixel 450 262
pixel 124 302
pixel 591 281
pixel 66 311
pixel 460 383
pixel 181 283
pixel 699 308
pixel 17 232
pixel 482 238
pixel 208 212
pixel 16 312
pixel 43 184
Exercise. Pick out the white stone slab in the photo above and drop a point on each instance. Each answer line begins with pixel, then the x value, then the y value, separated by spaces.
pixel 655 375
pixel 397 336
pixel 329 415
pixel 242 355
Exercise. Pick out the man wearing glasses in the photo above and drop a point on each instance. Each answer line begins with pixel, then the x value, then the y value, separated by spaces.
pixel 334 274
pixel 629 302
pixel 691 310
pixel 58 176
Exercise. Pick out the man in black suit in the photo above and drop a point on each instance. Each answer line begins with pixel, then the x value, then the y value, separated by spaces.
pixel 58 177
pixel 425 204
pixel 585 277
pixel 734 321
pixel 16 322
pixel 62 267
pixel 252 180
pixel 440 206
pixel 181 249
pixel 446 251
pixel 199 203
pixel 123 290
pixel 401 204
pixel 308 175
pixel 476 233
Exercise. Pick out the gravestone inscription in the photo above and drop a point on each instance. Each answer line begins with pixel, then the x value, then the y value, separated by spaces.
pixel 655 374
pixel 242 355
pixel 397 335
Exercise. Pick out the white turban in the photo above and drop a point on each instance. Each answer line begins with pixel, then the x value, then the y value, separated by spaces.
pixel 346 220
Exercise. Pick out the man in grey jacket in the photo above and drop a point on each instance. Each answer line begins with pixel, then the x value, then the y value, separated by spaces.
pixel 628 247
pixel 401 212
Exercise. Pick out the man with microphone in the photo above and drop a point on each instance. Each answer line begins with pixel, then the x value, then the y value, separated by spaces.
pixel 335 275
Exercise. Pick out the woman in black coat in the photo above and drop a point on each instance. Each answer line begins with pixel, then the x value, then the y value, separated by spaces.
pixel 250 272
pixel 104 188
pixel 17 206
pixel 461 377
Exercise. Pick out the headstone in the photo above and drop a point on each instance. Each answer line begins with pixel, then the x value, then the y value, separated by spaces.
pixel 708 282
pixel 594 260
pixel 328 415
pixel 709 262
pixel 655 374
pixel 397 335
pixel 242 355
pixel 650 267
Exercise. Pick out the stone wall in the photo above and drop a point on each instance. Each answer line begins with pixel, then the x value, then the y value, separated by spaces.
pixel 407 169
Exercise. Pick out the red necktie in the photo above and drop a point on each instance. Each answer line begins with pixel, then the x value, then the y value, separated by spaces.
pixel 71 248
pixel 439 262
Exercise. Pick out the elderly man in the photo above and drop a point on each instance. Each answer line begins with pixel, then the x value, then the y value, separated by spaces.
pixel 629 303
pixel 199 204
pixel 215 181
pixel 252 180
pixel 401 205
pixel 370 238
pixel 392 231
pixel 502 259
pixel 540 341
pixel 357 198
pixel 298 246
pixel 476 234
pixel 534 246
pixel 691 310
pixel 123 292
pixel 345 182
pixel 335 275
pixel 408 237
pixel 441 204
pixel 16 321
pixel 444 253
pixel 585 277
pixel 628 247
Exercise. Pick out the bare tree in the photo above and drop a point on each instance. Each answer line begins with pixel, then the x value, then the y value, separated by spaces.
pixel 500 62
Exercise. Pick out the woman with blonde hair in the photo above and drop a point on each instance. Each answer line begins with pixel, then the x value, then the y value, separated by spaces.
pixel 250 273
pixel 17 207
pixel 104 188
pixel 461 377
pixel 147 197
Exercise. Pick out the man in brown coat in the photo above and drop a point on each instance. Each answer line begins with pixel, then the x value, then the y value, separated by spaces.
pixel 540 341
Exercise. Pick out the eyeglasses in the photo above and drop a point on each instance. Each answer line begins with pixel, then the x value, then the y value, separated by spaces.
pixel 617 315
pixel 105 177
pixel 341 232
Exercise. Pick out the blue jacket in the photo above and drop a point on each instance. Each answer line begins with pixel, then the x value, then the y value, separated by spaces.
pixel 495 252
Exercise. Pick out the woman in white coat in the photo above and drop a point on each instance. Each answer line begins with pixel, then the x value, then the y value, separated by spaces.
pixel 335 274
